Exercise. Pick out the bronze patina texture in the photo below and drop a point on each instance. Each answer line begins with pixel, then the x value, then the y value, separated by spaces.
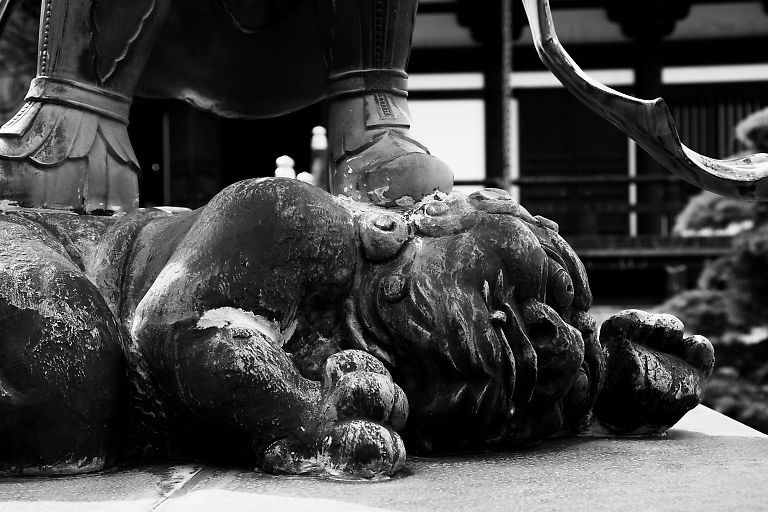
pixel 280 326
pixel 68 147
pixel 285 328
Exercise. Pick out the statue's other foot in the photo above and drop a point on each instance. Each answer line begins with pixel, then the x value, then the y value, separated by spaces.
pixel 654 375
pixel 358 417
pixel 62 157
pixel 378 162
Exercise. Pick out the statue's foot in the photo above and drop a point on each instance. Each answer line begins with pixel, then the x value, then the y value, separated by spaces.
pixel 654 375
pixel 360 412
pixel 378 162
pixel 62 157
pixel 391 170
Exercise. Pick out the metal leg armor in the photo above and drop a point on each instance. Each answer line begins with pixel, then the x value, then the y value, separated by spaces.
pixel 67 147
pixel 373 157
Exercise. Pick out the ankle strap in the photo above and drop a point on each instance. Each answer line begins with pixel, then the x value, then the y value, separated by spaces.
pixel 80 95
pixel 366 81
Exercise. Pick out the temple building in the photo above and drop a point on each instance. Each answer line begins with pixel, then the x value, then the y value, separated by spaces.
pixel 482 101
pixel 613 203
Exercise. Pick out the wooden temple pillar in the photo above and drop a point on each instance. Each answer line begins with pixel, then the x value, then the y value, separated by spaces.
pixel 494 26
pixel 497 94
pixel 647 23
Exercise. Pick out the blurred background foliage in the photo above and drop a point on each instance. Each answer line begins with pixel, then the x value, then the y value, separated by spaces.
pixel 730 301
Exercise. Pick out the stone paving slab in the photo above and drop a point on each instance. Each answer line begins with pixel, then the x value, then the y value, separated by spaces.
pixel 131 488
pixel 707 462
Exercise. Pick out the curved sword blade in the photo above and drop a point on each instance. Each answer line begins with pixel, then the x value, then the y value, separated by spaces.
pixel 648 122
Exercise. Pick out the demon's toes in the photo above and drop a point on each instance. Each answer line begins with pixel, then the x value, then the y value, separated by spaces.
pixel 700 353
pixel 367 395
pixel 362 449
pixel 348 361
pixel 661 332
pixel 656 330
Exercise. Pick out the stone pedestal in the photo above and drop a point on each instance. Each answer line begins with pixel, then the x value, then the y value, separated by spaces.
pixel 707 461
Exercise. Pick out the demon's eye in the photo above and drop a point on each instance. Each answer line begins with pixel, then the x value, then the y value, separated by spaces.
pixel 383 235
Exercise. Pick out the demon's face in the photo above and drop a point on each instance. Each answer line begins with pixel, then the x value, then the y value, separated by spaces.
pixel 480 311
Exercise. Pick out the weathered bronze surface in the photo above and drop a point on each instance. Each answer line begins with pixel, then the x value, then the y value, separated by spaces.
pixel 281 326
pixel 285 328
pixel 68 147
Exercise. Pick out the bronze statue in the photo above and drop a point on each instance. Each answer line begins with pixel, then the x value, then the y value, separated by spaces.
pixel 68 148
pixel 281 326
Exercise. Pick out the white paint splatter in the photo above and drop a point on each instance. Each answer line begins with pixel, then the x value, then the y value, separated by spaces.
pixel 237 319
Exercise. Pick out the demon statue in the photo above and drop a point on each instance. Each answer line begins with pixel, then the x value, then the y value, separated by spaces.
pixel 281 326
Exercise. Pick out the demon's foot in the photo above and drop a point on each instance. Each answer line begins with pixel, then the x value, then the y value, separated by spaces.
pixel 379 162
pixel 62 157
pixel 361 409
pixel 653 374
